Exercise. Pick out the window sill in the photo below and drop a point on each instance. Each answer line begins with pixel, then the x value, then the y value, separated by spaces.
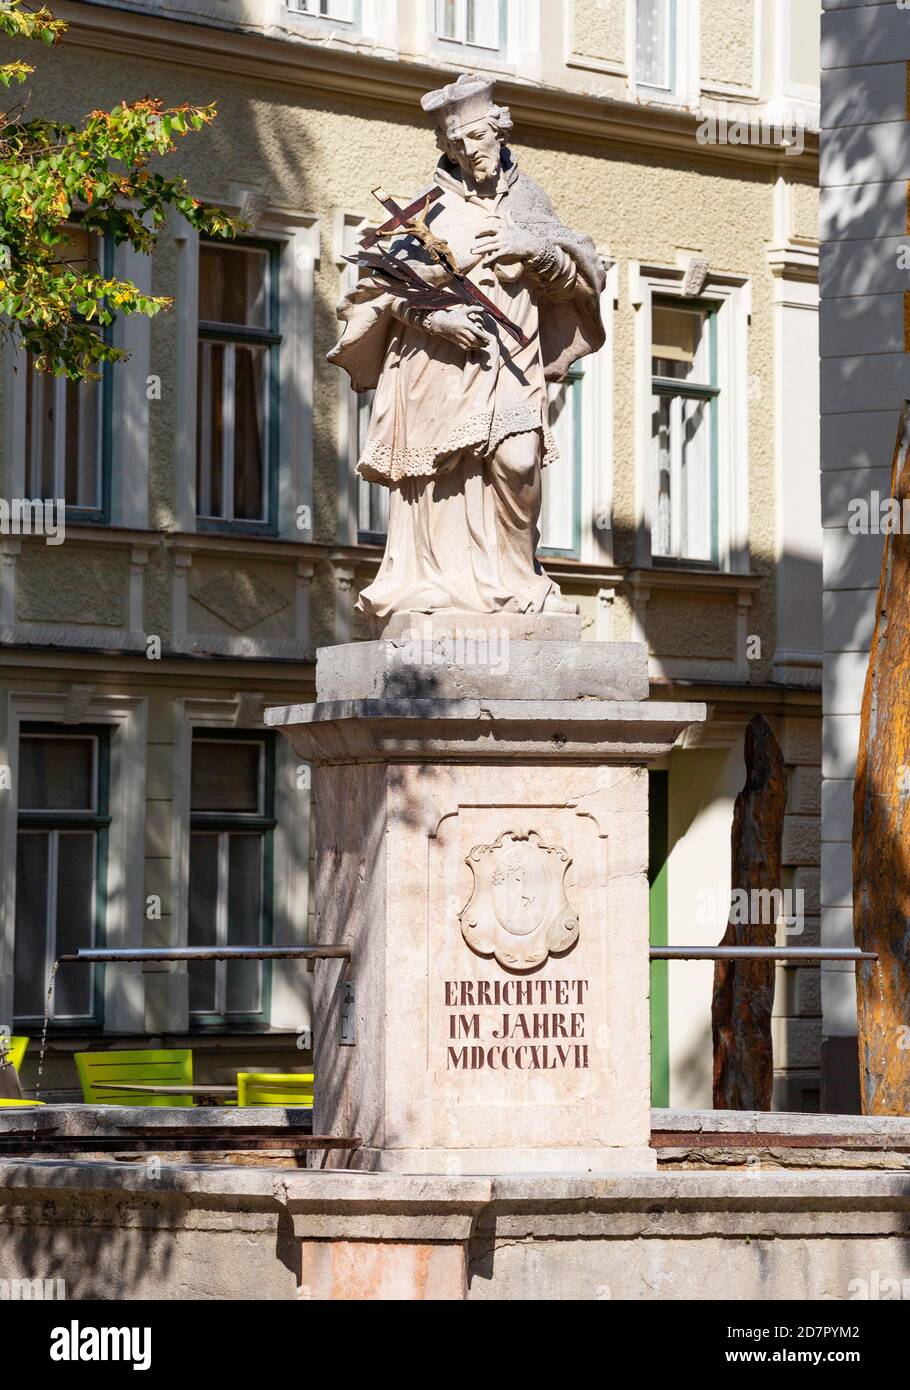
pixel 689 579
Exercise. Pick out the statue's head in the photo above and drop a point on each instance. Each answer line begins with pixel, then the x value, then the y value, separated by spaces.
pixel 470 127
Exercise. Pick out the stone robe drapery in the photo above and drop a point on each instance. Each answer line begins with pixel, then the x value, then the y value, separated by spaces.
pixel 462 521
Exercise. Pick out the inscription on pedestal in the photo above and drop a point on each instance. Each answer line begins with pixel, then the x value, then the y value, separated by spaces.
pixel 516 1025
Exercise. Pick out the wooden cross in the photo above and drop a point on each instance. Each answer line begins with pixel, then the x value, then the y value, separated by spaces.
pixel 399 215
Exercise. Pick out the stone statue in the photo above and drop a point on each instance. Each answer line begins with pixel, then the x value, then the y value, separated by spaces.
pixel 459 430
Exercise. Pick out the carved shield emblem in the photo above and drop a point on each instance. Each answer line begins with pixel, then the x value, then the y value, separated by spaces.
pixel 518 911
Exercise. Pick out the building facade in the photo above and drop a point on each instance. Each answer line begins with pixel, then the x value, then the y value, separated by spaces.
pixel 865 379
pixel 217 535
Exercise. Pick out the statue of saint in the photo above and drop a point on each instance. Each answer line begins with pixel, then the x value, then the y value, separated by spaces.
pixel 459 430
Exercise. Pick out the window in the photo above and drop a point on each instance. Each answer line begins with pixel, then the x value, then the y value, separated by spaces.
pixel 656 44
pixel 684 508
pixel 231 832
pixel 372 498
pixel 65 421
pixel 560 515
pixel 342 10
pixel 478 23
pixel 237 390
pixel 61 856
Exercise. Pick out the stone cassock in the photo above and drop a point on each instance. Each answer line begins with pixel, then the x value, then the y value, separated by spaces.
pixel 459 430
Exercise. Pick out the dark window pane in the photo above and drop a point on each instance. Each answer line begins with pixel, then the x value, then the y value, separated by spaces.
pixel 30 959
pixel 225 776
pixel 76 853
pixel 82 444
pixel 56 774
pixel 251 376
pixel 244 919
pixel 210 430
pixel 40 390
pixel 234 285
pixel 203 909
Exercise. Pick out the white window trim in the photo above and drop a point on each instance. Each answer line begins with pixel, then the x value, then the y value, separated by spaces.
pixel 297 236
pixel 519 53
pixel 596 443
pixel 124 987
pixel 349 227
pixel 297 8
pixel 688 57
pixel 752 91
pixel 618 67
pixel 597 459
pixel 373 21
pixel 788 101
pixel 129 405
pixel 732 296
pixel 291 999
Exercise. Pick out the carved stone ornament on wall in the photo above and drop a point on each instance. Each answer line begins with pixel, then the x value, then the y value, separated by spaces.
pixel 518 911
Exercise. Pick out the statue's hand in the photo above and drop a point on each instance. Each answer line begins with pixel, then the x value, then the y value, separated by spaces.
pixel 507 242
pixel 462 326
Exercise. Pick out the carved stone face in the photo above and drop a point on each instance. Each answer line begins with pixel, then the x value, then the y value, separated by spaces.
pixel 476 149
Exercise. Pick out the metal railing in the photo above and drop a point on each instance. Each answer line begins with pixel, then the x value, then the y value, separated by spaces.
pixel 98 955
pixel 761 953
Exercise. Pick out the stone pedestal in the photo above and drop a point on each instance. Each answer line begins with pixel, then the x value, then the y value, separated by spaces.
pixel 482 846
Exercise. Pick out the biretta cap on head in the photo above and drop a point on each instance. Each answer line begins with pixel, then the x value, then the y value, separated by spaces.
pixel 459 104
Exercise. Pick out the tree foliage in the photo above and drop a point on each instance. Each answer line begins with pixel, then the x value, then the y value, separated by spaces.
pixel 54 300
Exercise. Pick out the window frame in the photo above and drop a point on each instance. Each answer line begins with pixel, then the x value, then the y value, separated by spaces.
pixel 575 377
pixel 297 236
pixel 272 338
pixel 461 40
pixel 457 50
pixel 667 92
pixel 679 389
pixel 53 821
pixel 352 25
pixel 686 47
pixel 731 294
pixel 353 490
pixel 222 823
pixel 78 515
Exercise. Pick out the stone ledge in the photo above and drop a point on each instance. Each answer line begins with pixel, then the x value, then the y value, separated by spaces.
pixel 431 667
pixel 95 1121
pixel 780 1123
pixel 307 1190
pixel 345 731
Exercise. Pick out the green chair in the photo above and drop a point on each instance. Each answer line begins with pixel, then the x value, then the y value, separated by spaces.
pixel 271 1088
pixel 15 1049
pixel 147 1067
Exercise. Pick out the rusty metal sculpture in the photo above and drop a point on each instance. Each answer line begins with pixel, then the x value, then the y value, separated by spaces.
pixel 744 989
pixel 881 825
